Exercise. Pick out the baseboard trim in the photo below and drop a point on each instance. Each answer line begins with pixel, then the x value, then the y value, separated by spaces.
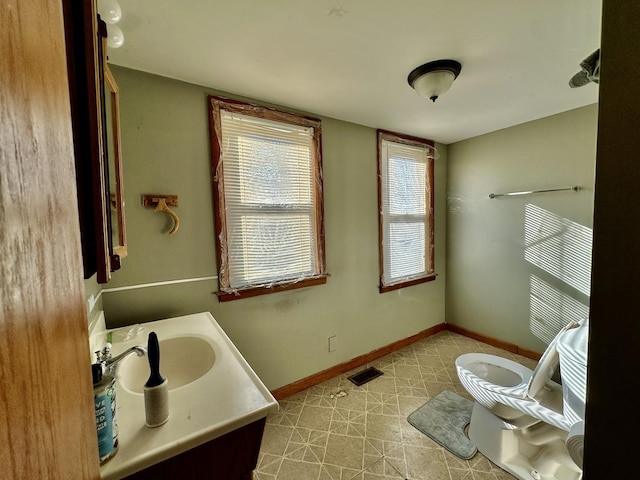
pixel 310 381
pixel 295 387
pixel 509 347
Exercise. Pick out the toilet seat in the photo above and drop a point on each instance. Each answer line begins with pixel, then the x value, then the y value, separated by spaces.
pixel 470 365
pixel 547 408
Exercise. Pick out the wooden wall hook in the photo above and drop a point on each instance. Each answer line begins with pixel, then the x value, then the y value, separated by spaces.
pixel 161 204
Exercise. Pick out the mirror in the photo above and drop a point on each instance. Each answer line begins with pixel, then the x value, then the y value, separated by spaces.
pixel 95 116
pixel 114 157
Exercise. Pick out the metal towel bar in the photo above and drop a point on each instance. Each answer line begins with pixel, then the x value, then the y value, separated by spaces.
pixel 575 188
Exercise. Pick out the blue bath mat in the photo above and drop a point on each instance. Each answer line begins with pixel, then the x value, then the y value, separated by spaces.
pixel 443 419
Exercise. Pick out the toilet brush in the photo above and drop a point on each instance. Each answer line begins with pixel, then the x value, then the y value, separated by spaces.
pixel 156 393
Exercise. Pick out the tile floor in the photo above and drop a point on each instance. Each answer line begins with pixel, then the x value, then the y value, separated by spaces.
pixel 323 434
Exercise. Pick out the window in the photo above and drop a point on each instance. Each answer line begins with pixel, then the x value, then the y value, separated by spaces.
pixel 267 182
pixel 405 196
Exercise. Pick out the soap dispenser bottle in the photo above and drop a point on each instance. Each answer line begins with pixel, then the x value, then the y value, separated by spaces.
pixel 104 396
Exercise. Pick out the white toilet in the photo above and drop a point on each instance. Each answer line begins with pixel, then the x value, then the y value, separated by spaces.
pixel 522 419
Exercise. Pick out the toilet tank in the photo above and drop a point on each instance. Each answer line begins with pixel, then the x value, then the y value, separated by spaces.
pixel 572 347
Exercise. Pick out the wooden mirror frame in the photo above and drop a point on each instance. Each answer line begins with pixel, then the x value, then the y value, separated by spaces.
pixel 86 59
pixel 116 198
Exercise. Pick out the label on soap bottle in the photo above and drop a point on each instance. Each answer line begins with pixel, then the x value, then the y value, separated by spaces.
pixel 106 426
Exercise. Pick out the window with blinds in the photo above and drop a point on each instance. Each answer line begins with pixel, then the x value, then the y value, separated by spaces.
pixel 267 174
pixel 405 193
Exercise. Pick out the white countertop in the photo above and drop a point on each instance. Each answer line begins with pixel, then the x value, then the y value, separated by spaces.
pixel 227 397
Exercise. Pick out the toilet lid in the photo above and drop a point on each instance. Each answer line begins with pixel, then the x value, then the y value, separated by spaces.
pixel 547 365
pixel 574 345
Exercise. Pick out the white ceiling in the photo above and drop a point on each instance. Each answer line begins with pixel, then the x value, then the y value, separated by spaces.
pixel 349 59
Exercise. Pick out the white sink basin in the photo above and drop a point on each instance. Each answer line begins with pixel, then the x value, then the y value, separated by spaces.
pixel 212 391
pixel 182 361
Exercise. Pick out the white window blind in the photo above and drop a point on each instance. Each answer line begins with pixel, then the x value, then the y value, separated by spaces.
pixel 270 203
pixel 406 211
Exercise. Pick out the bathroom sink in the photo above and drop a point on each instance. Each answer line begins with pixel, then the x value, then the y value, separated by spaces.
pixel 183 360
pixel 213 390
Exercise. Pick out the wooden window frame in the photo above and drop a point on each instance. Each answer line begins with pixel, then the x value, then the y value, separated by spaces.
pixel 429 218
pixel 226 292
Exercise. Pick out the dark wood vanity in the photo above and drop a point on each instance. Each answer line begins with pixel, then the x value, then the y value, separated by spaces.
pixel 233 456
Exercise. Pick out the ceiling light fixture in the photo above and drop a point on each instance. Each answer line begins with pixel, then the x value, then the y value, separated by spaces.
pixel 111 13
pixel 434 78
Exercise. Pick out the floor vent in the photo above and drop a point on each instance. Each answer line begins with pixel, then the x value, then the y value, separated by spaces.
pixel 364 376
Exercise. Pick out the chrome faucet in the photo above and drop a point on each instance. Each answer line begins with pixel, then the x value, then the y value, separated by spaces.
pixel 110 363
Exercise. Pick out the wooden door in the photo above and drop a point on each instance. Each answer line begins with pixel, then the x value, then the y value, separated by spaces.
pixel 47 427
pixel 612 422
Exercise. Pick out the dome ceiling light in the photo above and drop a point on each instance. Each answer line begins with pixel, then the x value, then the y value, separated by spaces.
pixel 434 78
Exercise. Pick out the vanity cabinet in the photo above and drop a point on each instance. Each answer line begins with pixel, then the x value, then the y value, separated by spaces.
pixel 233 456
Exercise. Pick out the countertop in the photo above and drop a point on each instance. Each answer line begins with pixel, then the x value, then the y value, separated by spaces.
pixel 227 397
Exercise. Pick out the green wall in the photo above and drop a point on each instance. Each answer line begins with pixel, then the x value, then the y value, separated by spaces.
pixel 284 336
pixel 491 288
pixel 518 268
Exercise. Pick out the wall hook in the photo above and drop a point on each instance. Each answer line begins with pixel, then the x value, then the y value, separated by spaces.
pixel 162 203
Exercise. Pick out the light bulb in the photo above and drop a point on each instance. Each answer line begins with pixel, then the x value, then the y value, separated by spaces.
pixel 434 84
pixel 115 37
pixel 109 11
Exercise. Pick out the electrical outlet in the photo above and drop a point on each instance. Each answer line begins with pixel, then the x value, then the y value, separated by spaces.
pixel 333 344
pixel 91 302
